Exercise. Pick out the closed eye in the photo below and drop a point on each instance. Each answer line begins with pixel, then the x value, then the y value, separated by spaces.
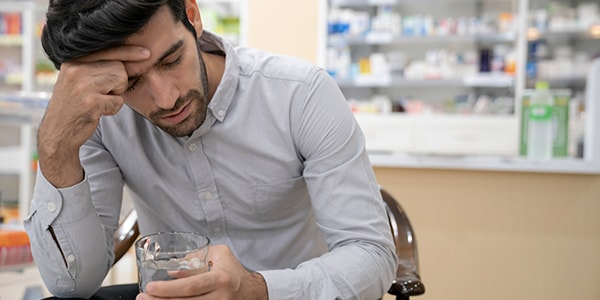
pixel 132 86
pixel 163 62
pixel 172 64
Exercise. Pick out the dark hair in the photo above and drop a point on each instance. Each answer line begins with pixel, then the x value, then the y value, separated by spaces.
pixel 75 28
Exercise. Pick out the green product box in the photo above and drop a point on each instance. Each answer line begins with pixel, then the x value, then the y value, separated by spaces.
pixel 560 120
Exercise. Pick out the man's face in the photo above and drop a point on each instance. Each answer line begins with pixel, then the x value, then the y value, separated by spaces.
pixel 169 88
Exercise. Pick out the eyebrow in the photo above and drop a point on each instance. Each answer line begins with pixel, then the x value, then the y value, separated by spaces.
pixel 166 54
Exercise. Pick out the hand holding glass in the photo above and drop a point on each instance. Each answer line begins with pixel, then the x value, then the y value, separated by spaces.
pixel 160 253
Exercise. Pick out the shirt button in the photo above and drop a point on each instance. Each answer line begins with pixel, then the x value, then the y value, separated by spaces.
pixel 207 195
pixel 51 206
pixel 193 147
pixel 221 112
pixel 71 258
pixel 217 230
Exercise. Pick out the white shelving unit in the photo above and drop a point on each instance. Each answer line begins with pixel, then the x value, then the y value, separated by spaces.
pixel 25 40
pixel 16 160
pixel 434 81
pixel 488 142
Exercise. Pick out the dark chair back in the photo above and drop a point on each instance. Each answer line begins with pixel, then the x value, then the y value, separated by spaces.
pixel 125 235
pixel 408 281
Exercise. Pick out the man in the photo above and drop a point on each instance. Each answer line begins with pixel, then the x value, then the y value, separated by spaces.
pixel 258 152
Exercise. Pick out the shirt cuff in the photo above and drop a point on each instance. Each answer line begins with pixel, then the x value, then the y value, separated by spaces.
pixel 283 284
pixel 48 202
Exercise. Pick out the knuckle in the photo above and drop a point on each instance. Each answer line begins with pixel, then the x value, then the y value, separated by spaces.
pixel 225 281
pixel 112 107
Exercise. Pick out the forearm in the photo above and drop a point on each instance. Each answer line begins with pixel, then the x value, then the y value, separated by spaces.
pixel 69 243
pixel 60 166
pixel 346 273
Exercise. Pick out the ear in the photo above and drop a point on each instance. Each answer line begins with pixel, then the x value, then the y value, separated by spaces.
pixel 193 14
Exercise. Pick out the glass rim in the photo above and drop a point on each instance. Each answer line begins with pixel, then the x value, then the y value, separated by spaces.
pixel 150 235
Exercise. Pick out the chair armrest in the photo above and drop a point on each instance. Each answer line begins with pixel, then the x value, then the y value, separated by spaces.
pixel 125 235
pixel 407 286
pixel 407 282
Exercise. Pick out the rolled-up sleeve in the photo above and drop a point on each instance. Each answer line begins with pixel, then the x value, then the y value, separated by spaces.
pixel 54 232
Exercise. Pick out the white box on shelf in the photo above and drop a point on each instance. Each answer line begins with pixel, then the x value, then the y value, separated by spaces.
pixel 465 135
pixel 387 132
pixel 440 134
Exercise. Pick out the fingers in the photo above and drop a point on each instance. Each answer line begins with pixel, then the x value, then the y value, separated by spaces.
pixel 194 284
pixel 227 279
pixel 95 76
pixel 120 53
pixel 82 94
pixel 197 285
pixel 187 273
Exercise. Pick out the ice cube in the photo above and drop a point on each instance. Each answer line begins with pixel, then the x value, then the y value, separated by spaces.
pixel 171 264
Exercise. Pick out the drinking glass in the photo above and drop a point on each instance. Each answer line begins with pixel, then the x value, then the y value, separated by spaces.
pixel 158 254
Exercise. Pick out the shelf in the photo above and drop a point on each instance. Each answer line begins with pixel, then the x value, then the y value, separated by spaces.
pixel 560 82
pixel 567 34
pixel 11 40
pixel 489 80
pixel 479 142
pixel 480 80
pixel 484 163
pixel 369 3
pixel 363 3
pixel 203 2
pixel 386 38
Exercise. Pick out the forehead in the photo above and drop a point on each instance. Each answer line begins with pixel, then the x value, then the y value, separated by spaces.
pixel 159 33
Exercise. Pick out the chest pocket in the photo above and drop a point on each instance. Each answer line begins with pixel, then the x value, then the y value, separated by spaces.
pixel 284 202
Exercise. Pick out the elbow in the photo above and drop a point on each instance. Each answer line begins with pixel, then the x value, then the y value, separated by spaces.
pixel 69 277
pixel 65 286
pixel 78 284
pixel 79 293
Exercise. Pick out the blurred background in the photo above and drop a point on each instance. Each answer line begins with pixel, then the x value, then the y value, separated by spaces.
pixel 441 90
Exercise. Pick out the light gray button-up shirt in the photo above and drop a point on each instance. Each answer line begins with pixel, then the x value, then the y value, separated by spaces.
pixel 278 171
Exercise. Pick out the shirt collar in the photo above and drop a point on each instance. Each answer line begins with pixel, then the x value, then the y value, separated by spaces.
pixel 219 104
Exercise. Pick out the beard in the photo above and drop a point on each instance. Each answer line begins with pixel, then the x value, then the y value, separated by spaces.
pixel 197 104
pixel 196 101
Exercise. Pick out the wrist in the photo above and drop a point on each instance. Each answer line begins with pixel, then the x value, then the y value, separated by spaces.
pixel 61 169
pixel 260 289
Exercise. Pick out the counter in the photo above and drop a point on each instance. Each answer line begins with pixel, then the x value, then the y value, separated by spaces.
pixel 484 163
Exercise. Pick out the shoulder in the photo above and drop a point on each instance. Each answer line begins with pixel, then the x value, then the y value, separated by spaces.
pixel 256 62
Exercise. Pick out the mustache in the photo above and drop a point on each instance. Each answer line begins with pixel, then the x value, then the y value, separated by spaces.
pixel 181 101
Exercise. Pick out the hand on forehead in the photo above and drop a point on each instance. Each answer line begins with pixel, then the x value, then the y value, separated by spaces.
pixel 119 53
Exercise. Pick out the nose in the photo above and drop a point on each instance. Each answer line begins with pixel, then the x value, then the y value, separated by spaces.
pixel 161 90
